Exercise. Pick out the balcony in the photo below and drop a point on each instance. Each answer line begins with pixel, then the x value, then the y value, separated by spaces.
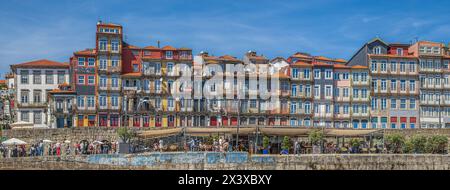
pixel 32 105
pixel 110 70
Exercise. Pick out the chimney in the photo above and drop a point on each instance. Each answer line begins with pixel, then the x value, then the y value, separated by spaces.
pixel 159 44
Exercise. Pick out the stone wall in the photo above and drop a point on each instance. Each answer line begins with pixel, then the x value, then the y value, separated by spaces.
pixel 409 132
pixel 233 161
pixel 72 134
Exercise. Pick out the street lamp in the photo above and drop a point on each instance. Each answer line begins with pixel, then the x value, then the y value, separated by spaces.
pixel 238 124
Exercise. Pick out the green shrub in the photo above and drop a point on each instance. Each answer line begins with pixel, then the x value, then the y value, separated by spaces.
pixel 417 144
pixel 315 137
pixel 436 144
pixel 266 142
pixel 395 142
pixel 286 144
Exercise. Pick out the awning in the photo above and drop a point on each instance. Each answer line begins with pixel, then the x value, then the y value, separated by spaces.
pixel 285 131
pixel 160 133
pixel 349 132
pixel 208 131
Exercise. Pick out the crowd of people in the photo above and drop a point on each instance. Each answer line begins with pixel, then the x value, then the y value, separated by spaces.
pixel 42 148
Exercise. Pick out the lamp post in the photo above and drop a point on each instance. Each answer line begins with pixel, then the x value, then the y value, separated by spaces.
pixel 238 125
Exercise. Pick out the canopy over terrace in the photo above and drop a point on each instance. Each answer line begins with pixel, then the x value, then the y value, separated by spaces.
pixel 272 131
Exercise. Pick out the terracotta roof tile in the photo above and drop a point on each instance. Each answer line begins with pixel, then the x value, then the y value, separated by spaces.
pixel 341 66
pixel 322 64
pixel 323 58
pixel 151 48
pixel 359 67
pixel 2 81
pixel 85 52
pixel 301 55
pixel 170 48
pixel 341 60
pixel 132 75
pixel 301 64
pixel 42 63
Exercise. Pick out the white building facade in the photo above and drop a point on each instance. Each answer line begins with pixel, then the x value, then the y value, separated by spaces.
pixel 34 80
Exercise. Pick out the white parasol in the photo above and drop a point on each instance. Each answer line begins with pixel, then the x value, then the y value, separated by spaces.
pixel 14 141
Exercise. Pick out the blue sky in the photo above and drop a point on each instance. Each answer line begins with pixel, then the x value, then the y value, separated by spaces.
pixel 54 29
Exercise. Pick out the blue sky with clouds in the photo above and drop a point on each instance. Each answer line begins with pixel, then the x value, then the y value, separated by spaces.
pixel 54 29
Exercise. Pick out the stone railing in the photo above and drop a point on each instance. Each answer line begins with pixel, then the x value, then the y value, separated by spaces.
pixel 234 161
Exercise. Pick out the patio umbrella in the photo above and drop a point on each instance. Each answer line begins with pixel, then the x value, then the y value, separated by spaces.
pixel 47 141
pixel 66 141
pixel 14 141
pixel 98 142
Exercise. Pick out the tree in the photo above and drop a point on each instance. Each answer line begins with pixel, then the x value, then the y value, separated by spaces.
pixel 125 134
pixel 416 144
pixel 355 143
pixel 286 144
pixel 266 142
pixel 395 142
pixel 315 137
pixel 436 144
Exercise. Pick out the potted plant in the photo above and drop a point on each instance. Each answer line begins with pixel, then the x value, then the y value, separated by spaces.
pixel 266 143
pixel 285 145
pixel 316 139
pixel 355 143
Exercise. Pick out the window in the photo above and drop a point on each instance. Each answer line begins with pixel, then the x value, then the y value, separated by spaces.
pixel 355 77
pixel 169 54
pixel 355 93
pixel 91 80
pixel 377 50
pixel 80 101
pixel 103 63
pixel 345 76
pixel 114 62
pixel 402 103
pixel 37 117
pixel 307 108
pixel 102 81
pixel 48 77
pixel 328 74
pixel 135 68
pixel 383 103
pixel 169 68
pixel 25 116
pixel 170 102
pixel 355 109
pixel 436 50
pixel 61 77
pixel 91 101
pixel 37 96
pixel 412 67
pixel 345 109
pixel 364 93
pixel 327 108
pixel 393 66
pixel 364 109
pixel 295 73
pixel 114 101
pixel 383 84
pixel 80 79
pixel 102 100
pixel 252 103
pixel 393 85
pixel 393 103
pixel 374 66
pixel 363 77
pixel 399 51
pixel 383 66
pixel 412 103
pixel 102 45
pixel 328 91
pixel 294 90
pixel 158 68
pixel 412 85
pixel 91 62
pixel 402 85
pixel 36 77
pixel 23 77
pixel 374 84
pixel 316 74
pixel 306 73
pixel 402 67
pixel 24 94
pixel 345 92
pixel 114 82
pixel 317 91
pixel 81 61
pixel 293 107
pixel 308 90
pixel 115 46
pixel 157 85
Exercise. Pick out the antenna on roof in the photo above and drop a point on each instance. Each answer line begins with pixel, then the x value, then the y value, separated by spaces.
pixel 159 44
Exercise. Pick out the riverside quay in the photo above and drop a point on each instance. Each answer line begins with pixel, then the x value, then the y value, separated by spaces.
pixel 116 84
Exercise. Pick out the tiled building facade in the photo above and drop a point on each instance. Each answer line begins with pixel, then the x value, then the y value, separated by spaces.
pixel 384 85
